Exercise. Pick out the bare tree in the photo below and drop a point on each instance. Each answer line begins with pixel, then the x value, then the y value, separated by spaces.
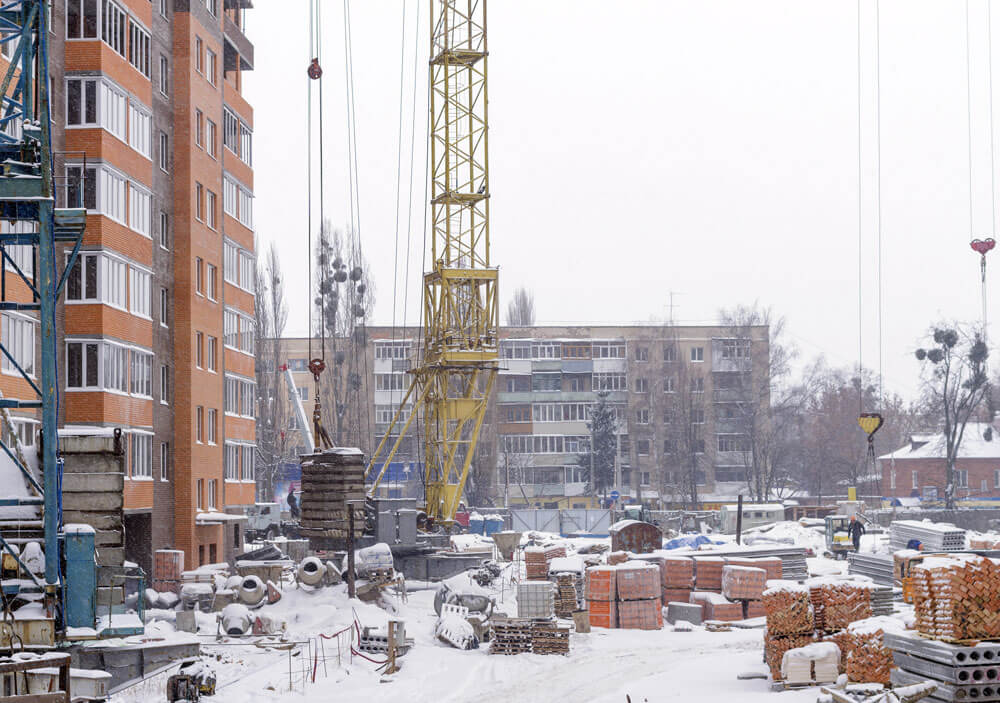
pixel 521 308
pixel 274 445
pixel 955 380
pixel 344 300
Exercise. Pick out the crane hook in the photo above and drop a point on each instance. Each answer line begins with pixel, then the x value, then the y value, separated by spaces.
pixel 314 70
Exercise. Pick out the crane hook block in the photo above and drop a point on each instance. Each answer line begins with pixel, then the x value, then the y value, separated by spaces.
pixel 870 423
pixel 981 246
pixel 314 70
pixel 317 366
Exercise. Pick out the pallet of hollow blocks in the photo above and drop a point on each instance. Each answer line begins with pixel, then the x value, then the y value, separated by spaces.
pixel 743 582
pixel 678 572
pixel 511 636
pixel 330 480
pixel 640 614
pixel 715 606
pixel 549 638
pixel 708 573
pixel 602 595
pixel 957 598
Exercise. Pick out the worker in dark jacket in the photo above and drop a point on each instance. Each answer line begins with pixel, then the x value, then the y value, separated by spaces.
pixel 855 530
pixel 293 505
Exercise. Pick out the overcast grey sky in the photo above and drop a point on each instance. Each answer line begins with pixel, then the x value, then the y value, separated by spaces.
pixel 642 147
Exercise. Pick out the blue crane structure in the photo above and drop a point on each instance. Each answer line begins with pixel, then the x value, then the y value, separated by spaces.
pixel 28 190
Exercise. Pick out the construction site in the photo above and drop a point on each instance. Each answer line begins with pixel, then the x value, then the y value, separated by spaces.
pixel 197 506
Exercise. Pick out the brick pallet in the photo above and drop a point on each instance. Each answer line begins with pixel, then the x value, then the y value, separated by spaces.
pixel 753 609
pixel 775 647
pixel 603 613
pixel 708 573
pixel 715 606
pixel 602 583
pixel 957 598
pixel 869 660
pixel 743 582
pixel 640 614
pixel 770 565
pixel 566 595
pixel 675 595
pixel 844 603
pixel 678 573
pixel 638 581
pixel 788 609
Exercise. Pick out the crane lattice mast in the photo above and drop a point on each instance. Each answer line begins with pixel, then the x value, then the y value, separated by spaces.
pixel 461 312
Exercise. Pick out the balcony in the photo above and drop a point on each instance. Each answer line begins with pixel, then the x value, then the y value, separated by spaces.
pixel 727 395
pixel 238 49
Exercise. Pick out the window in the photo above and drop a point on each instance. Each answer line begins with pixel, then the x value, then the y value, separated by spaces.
pixel 668 446
pixel 391 382
pixel 609 382
pixel 141 454
pixel 210 213
pixel 210 66
pixel 545 382
pixel 231 329
pixel 164 460
pixel 248 337
pixel 97 277
pixel 915 478
pixel 230 199
pixel 140 130
pixel 669 384
pixel 733 443
pixel 670 353
pixel 111 194
pixel 163 7
pixel 199 55
pixel 140 211
pixel 164 231
pixel 199 276
pixel 199 128
pixel 212 351
pixel 19 256
pixel 982 485
pixel 996 478
pixel 698 384
pixel 200 496
pixel 164 76
pixel 393 350
pixel 246 145
pixel 735 349
pixel 199 424
pixel 698 446
pixel 642 447
pixel 199 344
pixel 199 202
pixel 140 292
pixel 231 461
pixel 164 152
pixel 138 48
pixel 962 478
pixel 642 385
pixel 114 360
pixel 642 416
pixel 609 350
pixel 230 130
pixel 644 480
pixel 213 7
pixel 83 369
pixel 106 366
pixel 81 101
pixel 697 416
pixel 211 136
pixel 892 479
pixel 212 282
pixel 642 353
pixel 113 26
pixel 231 264
pixel 81 19
pixel 81 187
pixel 164 385
pixel 697 353
pixel 212 423
pixel 18 336
pixel 249 461
pixel 247 271
pixel 163 307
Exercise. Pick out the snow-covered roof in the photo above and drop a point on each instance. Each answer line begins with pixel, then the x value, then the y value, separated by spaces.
pixel 974 445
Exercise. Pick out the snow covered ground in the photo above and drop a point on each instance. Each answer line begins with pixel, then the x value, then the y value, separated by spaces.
pixel 603 666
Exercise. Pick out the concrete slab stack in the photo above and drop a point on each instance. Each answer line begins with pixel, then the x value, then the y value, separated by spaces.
pixel 961 672
pixel 933 536
pixel 331 479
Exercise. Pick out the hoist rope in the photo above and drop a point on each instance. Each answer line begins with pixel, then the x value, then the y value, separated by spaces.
pixel 878 182
pixel 309 249
pixel 322 192
pixel 993 181
pixel 399 176
pixel 413 135
pixel 861 367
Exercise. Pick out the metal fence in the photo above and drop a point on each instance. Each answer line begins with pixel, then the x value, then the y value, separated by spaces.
pixel 568 522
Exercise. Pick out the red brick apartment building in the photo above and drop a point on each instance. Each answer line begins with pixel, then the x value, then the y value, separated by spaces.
pixel 154 138
pixel 918 469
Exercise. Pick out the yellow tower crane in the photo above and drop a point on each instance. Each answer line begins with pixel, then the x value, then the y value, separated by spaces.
pixel 452 385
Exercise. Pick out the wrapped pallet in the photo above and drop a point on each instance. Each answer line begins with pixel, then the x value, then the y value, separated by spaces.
pixel 775 647
pixel 638 581
pixel 640 614
pixel 715 606
pixel 817 662
pixel 708 573
pixel 678 573
pixel 743 582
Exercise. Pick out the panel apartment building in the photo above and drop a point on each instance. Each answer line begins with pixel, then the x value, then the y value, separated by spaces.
pixel 154 138
pixel 656 379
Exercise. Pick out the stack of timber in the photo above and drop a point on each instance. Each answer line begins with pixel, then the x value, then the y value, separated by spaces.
pixel 957 598
pixel 330 479
pixel 548 638
pixel 962 673
pixel 877 567
pixel 933 536
pixel 511 636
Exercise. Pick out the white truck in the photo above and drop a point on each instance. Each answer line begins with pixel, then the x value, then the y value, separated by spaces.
pixel 264 521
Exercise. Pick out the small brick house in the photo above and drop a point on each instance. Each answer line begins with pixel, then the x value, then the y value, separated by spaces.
pixel 918 469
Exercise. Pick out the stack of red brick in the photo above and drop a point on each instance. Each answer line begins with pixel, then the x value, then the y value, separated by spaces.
pixel 789 621
pixel 536 566
pixel 168 565
pixel 683 574
pixel 625 595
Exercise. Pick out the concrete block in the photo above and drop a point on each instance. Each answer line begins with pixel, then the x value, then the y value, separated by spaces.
pixel 93 483
pixel 385 527
pixel 111 556
pixel 684 612
pixel 86 444
pixel 186 621
pixel 99 521
pixel 93 502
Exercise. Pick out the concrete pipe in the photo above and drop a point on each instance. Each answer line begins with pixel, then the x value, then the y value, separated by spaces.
pixel 236 619
pixel 233 583
pixel 311 571
pixel 251 590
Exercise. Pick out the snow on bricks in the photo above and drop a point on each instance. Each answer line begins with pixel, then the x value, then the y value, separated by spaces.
pixel 715 606
pixel 787 607
pixel 678 573
pixel 957 598
pixel 836 604
pixel 708 573
pixel 743 582
pixel 640 614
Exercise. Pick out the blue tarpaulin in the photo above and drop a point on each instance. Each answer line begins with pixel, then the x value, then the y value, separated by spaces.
pixel 690 541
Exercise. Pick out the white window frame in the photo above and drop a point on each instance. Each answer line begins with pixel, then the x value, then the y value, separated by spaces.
pixel 140 292
pixel 114 27
pixel 139 47
pixel 19 338
pixel 140 129
pixel 164 461
pixel 140 455
pixel 140 210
